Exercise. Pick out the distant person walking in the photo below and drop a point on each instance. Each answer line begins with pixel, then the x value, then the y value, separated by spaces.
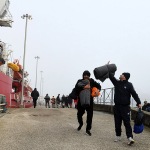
pixel 53 101
pixel 63 101
pixel 123 92
pixel 69 102
pixel 66 101
pixel 58 101
pixel 35 95
pixel 47 99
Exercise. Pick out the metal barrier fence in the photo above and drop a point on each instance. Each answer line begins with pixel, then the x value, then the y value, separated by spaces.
pixel 107 97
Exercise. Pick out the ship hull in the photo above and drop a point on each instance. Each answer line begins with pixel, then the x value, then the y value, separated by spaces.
pixel 6 87
pixel 12 98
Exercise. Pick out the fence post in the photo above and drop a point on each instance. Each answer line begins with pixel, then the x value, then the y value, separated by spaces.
pixel 112 96
pixel 131 102
pixel 104 97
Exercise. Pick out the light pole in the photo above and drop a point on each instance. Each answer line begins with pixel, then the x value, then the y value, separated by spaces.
pixel 27 17
pixel 41 95
pixel 37 57
pixel 41 84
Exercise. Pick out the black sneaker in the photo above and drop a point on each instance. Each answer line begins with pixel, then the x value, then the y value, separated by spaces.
pixel 80 126
pixel 88 132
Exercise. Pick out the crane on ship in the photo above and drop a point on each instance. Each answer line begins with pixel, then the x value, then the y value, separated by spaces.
pixel 5 15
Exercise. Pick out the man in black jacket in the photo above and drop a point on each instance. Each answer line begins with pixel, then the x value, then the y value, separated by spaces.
pixel 35 95
pixel 89 109
pixel 123 92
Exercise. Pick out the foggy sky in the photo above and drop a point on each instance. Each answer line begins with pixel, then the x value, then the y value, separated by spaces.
pixel 71 36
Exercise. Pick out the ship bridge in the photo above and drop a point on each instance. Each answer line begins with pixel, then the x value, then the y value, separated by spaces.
pixel 5 15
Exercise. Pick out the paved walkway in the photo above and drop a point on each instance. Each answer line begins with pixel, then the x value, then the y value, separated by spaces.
pixel 55 129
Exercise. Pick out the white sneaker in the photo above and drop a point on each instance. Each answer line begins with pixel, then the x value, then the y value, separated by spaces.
pixel 131 141
pixel 117 138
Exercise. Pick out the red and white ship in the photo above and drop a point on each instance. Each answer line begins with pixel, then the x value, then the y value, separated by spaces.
pixel 11 72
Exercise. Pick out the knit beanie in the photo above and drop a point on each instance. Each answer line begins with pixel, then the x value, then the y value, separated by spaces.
pixel 86 72
pixel 127 75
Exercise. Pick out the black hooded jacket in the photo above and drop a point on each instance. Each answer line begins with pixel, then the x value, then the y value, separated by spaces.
pixel 76 91
pixel 123 92
pixel 35 94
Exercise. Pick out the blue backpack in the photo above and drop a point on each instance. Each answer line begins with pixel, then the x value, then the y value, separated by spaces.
pixel 138 122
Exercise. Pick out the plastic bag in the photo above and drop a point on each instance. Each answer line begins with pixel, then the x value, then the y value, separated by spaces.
pixel 138 122
pixel 137 129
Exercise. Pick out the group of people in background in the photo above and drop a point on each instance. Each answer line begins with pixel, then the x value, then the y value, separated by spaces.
pixel 54 102
pixel 63 102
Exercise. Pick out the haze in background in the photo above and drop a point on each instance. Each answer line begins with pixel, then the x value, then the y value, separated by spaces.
pixel 73 36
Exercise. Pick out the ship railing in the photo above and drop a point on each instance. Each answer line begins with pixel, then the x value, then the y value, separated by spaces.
pixel 3 104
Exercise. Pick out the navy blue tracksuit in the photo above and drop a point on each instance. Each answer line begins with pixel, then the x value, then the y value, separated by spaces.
pixel 123 92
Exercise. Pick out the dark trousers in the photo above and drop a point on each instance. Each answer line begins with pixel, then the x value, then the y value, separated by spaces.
pixel 34 102
pixel 47 104
pixel 80 113
pixel 122 113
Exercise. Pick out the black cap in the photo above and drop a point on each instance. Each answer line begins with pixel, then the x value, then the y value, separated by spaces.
pixel 127 75
pixel 86 72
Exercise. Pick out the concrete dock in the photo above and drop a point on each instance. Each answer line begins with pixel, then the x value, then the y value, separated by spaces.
pixel 55 129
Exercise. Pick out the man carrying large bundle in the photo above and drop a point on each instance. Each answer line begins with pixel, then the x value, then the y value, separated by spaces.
pixel 122 95
pixel 82 89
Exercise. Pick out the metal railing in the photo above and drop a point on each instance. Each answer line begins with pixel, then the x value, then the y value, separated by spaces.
pixel 107 97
